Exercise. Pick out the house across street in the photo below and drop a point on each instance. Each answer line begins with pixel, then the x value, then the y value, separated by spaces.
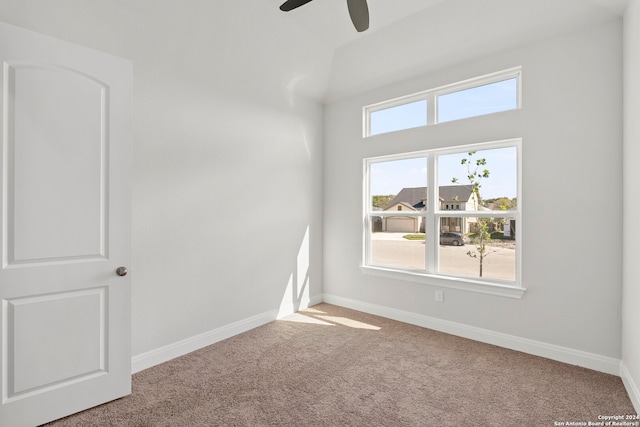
pixel 414 199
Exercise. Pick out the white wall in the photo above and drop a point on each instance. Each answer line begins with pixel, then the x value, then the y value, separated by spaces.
pixel 227 131
pixel 631 150
pixel 452 31
pixel 227 184
pixel 572 157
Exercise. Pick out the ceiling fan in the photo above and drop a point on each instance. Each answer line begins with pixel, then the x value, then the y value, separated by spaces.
pixel 358 10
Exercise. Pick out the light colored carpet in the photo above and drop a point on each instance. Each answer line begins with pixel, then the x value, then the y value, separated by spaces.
pixel 330 366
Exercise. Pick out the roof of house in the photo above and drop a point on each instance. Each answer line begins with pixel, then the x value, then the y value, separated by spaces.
pixel 416 196
pixel 410 196
pixel 461 193
pixel 406 205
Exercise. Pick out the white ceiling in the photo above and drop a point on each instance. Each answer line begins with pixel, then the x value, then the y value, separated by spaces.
pixel 422 36
pixel 313 50
pixel 329 19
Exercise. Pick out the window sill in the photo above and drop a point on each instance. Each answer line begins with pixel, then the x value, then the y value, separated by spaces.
pixel 510 291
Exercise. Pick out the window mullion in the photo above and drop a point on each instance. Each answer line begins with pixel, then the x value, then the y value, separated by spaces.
pixel 431 229
pixel 431 108
pixel 367 205
pixel 395 253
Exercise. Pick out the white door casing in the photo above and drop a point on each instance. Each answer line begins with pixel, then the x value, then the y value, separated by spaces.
pixel 65 212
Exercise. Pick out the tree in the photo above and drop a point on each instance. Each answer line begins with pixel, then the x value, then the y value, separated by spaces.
pixel 381 201
pixel 501 203
pixel 475 174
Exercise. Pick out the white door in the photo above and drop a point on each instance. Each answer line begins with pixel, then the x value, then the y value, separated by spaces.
pixel 65 159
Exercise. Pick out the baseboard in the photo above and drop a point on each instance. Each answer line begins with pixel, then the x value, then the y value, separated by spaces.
pixel 164 354
pixel 293 307
pixel 631 386
pixel 571 356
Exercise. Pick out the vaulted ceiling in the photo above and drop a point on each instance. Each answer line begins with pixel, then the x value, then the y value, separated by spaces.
pixel 438 33
pixel 313 50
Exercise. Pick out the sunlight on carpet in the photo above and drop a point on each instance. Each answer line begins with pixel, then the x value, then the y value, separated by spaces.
pixel 344 321
pixel 317 317
pixel 301 318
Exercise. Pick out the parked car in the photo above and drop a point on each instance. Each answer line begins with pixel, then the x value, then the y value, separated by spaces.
pixel 455 239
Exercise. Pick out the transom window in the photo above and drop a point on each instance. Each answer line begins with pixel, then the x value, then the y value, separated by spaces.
pixel 487 94
pixel 446 216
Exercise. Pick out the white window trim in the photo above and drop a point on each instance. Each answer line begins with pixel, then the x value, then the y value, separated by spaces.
pixel 431 97
pixel 512 289
pixel 443 281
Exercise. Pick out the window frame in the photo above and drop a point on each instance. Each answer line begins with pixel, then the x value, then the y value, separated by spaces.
pixel 431 97
pixel 432 217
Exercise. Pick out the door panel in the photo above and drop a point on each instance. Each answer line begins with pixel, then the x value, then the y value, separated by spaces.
pixel 65 158
pixel 74 342
pixel 51 108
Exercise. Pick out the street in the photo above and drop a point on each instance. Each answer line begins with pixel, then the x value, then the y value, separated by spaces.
pixel 392 250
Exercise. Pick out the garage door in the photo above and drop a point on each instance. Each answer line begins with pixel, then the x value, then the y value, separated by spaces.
pixel 403 225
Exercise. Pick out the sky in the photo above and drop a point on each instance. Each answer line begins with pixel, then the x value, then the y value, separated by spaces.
pixel 475 101
pixel 390 177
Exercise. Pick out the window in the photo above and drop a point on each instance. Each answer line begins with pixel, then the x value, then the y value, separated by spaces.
pixel 460 220
pixel 478 100
pixel 404 116
pixel 487 94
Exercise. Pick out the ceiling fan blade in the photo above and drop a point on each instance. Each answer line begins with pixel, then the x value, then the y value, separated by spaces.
pixel 292 4
pixel 359 12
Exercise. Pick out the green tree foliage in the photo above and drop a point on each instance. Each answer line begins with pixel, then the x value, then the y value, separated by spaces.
pixel 476 172
pixel 501 203
pixel 381 201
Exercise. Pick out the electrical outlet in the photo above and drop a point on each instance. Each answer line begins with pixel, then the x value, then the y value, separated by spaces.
pixel 439 297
